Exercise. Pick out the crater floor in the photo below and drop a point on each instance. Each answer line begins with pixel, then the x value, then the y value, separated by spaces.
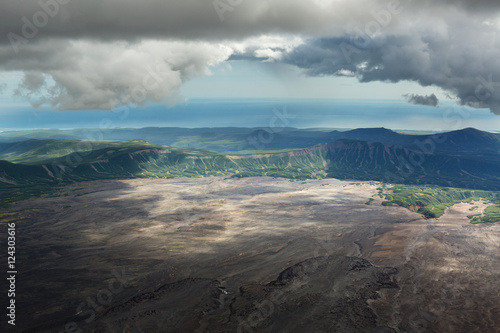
pixel 249 255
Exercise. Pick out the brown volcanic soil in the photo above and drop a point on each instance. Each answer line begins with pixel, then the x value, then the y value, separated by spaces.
pixel 250 255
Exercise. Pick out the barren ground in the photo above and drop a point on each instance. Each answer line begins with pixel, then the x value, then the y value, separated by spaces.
pixel 250 255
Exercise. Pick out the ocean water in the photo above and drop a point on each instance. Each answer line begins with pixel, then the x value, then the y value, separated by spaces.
pixel 261 113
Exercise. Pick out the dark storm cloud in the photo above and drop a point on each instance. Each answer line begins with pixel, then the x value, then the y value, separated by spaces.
pixel 477 5
pixel 181 19
pixel 462 61
pixel 428 100
pixel 100 53
pixel 199 19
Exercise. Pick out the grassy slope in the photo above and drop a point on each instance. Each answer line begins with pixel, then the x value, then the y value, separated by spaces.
pixel 491 214
pixel 37 152
pixel 20 182
pixel 345 159
pixel 136 160
pixel 431 201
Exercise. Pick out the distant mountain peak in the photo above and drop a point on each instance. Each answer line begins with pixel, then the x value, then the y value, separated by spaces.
pixel 372 130
pixel 470 130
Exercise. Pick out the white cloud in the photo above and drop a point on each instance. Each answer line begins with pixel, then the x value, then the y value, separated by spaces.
pixel 107 75
pixel 344 72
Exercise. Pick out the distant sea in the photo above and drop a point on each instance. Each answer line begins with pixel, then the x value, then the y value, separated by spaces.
pixel 261 113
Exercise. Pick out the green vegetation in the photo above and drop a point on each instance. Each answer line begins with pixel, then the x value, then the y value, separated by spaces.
pixel 369 202
pixel 435 181
pixel 137 159
pixel 491 215
pixel 381 190
pixel 223 139
pixel 431 201
pixel 43 151
pixel 13 193
pixel 17 216
pixel 260 152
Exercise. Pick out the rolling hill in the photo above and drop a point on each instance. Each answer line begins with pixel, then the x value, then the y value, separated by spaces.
pixel 226 139
pixel 466 159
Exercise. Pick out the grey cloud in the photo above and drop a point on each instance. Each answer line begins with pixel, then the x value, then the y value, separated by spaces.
pixel 181 19
pixel 93 53
pixel 32 81
pixel 462 60
pixel 428 100
pixel 198 19
pixel 476 5
pixel 88 75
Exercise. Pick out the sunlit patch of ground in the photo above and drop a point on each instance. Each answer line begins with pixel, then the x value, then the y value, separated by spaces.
pixel 175 238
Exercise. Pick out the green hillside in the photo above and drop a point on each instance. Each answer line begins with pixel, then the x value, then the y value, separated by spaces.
pixel 47 164
pixel 40 151
pixel 20 182
pixel 138 159
pixel 342 159
pixel 431 201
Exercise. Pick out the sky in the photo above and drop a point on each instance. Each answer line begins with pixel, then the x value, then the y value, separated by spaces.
pixel 339 63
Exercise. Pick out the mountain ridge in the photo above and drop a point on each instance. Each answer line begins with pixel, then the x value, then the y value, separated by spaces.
pixel 225 139
pixel 342 158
